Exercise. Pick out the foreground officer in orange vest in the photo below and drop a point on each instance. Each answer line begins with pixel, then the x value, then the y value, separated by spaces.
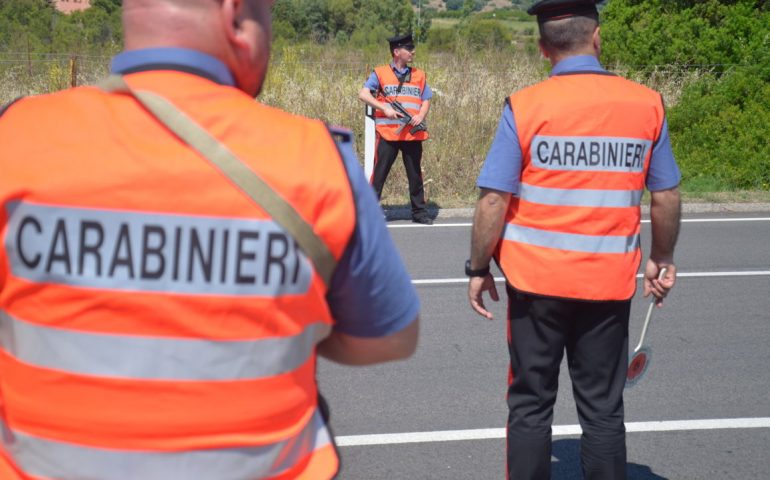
pixel 156 322
pixel 399 85
pixel 560 211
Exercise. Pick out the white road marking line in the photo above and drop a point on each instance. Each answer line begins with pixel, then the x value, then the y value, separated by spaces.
pixel 714 220
pixel 751 273
pixel 685 220
pixel 558 430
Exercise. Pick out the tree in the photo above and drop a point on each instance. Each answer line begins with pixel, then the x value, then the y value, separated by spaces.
pixel 109 6
pixel 718 128
pixel 703 32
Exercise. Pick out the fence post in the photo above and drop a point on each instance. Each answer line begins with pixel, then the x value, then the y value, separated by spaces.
pixel 73 71
pixel 29 59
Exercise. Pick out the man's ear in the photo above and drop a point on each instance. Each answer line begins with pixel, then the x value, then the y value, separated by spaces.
pixel 231 17
pixel 597 41
pixel 543 50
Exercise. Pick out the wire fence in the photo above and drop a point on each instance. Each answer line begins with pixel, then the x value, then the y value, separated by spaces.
pixel 37 62
pixel 26 73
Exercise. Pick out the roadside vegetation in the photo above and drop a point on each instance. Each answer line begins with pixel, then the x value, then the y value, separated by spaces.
pixel 710 60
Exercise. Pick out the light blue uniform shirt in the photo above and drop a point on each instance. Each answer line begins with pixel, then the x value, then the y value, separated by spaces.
pixel 502 167
pixel 371 294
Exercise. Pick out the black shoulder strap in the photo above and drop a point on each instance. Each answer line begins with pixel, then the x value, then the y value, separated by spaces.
pixel 406 77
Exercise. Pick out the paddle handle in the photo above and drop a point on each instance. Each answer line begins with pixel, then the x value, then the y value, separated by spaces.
pixel 649 314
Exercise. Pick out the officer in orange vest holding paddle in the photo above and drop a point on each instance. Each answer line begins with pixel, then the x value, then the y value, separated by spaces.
pixel 559 211
pixel 175 255
pixel 400 96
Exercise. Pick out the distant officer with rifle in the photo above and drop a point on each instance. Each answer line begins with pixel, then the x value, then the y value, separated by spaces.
pixel 400 97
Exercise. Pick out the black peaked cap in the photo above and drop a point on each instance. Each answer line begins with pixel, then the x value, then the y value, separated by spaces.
pixel 552 9
pixel 401 41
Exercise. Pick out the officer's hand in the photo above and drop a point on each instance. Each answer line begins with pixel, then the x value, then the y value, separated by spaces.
pixel 476 287
pixel 391 113
pixel 659 288
pixel 417 119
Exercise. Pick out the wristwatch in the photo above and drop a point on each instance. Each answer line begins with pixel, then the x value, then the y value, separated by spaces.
pixel 481 272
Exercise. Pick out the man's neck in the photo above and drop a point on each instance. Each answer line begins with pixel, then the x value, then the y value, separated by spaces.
pixel 400 65
pixel 558 57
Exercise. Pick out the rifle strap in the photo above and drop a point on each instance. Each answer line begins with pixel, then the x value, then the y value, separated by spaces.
pixel 401 79
pixel 245 179
pixel 406 77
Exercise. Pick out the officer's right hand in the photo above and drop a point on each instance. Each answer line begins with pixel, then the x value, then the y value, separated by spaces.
pixel 658 287
pixel 391 113
pixel 476 288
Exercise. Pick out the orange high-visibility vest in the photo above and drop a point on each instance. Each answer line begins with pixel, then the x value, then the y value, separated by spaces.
pixel 573 230
pixel 155 323
pixel 408 93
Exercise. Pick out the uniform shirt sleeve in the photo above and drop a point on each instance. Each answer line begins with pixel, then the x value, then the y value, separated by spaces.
pixel 427 93
pixel 371 293
pixel 502 167
pixel 663 172
pixel 372 83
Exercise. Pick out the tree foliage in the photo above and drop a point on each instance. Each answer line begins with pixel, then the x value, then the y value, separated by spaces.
pixel 35 26
pixel 717 33
pixel 325 20
pixel 719 126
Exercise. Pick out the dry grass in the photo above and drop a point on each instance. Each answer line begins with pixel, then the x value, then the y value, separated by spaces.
pixel 469 89
pixel 47 73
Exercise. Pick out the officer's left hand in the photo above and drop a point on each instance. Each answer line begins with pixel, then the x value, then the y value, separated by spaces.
pixel 658 287
pixel 476 288
pixel 417 119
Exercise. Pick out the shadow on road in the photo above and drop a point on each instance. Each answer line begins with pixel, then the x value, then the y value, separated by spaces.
pixel 566 465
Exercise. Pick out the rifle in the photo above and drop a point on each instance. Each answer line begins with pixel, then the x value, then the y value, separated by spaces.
pixel 420 127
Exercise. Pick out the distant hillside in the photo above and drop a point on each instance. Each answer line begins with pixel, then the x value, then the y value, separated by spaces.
pixel 441 5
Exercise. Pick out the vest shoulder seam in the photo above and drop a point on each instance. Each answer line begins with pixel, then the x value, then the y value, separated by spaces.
pixel 345 136
pixel 587 72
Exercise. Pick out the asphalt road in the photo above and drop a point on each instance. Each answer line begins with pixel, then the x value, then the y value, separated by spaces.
pixel 701 412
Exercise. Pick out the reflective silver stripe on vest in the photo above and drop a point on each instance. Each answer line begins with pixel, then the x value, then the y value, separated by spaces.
pixel 581 198
pixel 152 358
pixel 388 121
pixel 153 252
pixel 414 106
pixel 66 461
pixel 571 241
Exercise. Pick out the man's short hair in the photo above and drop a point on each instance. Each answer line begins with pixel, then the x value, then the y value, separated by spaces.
pixel 569 34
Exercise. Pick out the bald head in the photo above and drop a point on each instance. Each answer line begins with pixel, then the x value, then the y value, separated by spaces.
pixel 237 32
pixel 173 23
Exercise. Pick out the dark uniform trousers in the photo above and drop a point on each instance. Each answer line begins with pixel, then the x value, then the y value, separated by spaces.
pixel 595 336
pixel 411 152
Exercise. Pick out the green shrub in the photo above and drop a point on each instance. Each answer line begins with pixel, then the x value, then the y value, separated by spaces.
pixel 717 33
pixel 442 39
pixel 480 33
pixel 719 131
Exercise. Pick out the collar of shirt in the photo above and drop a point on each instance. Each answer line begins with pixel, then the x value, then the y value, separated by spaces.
pixel 166 58
pixel 578 63
pixel 399 72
